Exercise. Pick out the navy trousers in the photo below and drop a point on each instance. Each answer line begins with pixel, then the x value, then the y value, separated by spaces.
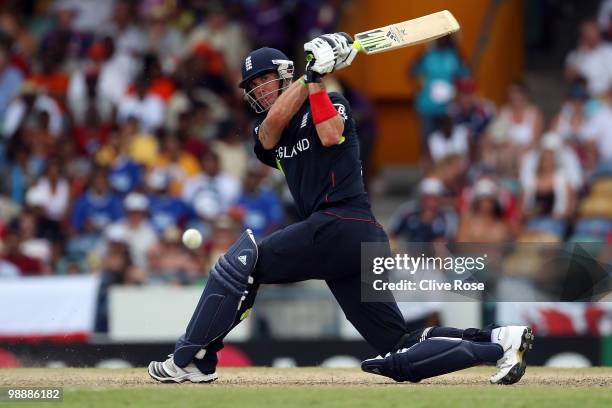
pixel 327 246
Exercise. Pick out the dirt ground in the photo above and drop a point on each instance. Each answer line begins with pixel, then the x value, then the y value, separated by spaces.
pixel 256 377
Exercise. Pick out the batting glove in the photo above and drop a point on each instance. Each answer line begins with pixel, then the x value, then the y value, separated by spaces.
pixel 343 49
pixel 320 57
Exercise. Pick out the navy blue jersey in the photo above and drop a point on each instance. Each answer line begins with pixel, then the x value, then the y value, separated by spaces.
pixel 318 176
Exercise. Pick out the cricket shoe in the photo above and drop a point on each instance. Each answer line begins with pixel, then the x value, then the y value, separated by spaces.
pixel 387 366
pixel 168 372
pixel 516 342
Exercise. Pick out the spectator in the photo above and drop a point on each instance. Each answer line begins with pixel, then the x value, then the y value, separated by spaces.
pixel 118 155
pixel 211 180
pixel 14 255
pixel 571 168
pixel 90 135
pixel 437 69
pixel 572 120
pixel 27 107
pixel 261 207
pixel 597 141
pixel 448 140
pixel 516 129
pixel 160 85
pixel 54 191
pixel 232 152
pixel 548 198
pixel 84 88
pixel 425 220
pixel 33 246
pixel 11 79
pixel 470 110
pixel 223 35
pixel 128 37
pixel 484 222
pixel 22 170
pixel 165 210
pixel 137 227
pixel 117 72
pixel 592 60
pixel 98 206
pixel 143 105
pixel 178 164
pixel 161 36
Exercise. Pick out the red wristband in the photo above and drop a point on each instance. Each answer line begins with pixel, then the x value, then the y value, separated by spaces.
pixel 321 107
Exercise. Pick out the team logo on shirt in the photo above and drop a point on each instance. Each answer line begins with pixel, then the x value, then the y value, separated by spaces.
pixel 341 111
pixel 285 152
pixel 304 120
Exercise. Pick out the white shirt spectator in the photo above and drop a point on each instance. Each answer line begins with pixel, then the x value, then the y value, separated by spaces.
pixel 17 110
pixel 54 200
pixel 571 168
pixel 599 131
pixel 78 101
pixel 116 75
pixel 595 65
pixel 226 188
pixel 441 147
pixel 139 239
pixel 149 111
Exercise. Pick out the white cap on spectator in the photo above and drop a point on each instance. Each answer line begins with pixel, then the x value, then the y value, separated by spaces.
pixel 431 186
pixel 485 188
pixel 116 233
pixel 136 202
pixel 206 205
pixel 158 179
pixel 551 141
pixel 35 197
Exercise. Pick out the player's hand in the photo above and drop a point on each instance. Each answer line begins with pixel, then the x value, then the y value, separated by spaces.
pixel 343 49
pixel 320 57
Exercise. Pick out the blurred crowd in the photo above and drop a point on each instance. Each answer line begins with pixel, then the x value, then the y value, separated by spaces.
pixel 121 125
pixel 500 174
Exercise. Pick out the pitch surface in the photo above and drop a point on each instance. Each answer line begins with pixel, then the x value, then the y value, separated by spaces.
pixel 314 387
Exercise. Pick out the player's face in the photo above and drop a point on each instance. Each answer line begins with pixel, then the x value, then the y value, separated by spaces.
pixel 265 89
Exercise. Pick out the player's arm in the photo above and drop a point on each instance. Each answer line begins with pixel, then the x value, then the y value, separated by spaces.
pixel 325 54
pixel 280 114
pixel 328 123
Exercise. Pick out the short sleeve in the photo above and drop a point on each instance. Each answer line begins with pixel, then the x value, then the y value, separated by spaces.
pixel 265 156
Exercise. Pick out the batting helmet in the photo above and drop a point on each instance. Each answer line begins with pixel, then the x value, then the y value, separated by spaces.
pixel 260 62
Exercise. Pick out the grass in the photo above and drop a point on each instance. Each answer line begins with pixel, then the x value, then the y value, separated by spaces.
pixel 315 387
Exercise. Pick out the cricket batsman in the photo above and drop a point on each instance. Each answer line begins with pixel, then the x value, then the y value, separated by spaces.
pixel 309 136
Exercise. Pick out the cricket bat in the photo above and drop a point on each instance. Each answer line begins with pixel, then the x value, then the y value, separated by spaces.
pixel 406 33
